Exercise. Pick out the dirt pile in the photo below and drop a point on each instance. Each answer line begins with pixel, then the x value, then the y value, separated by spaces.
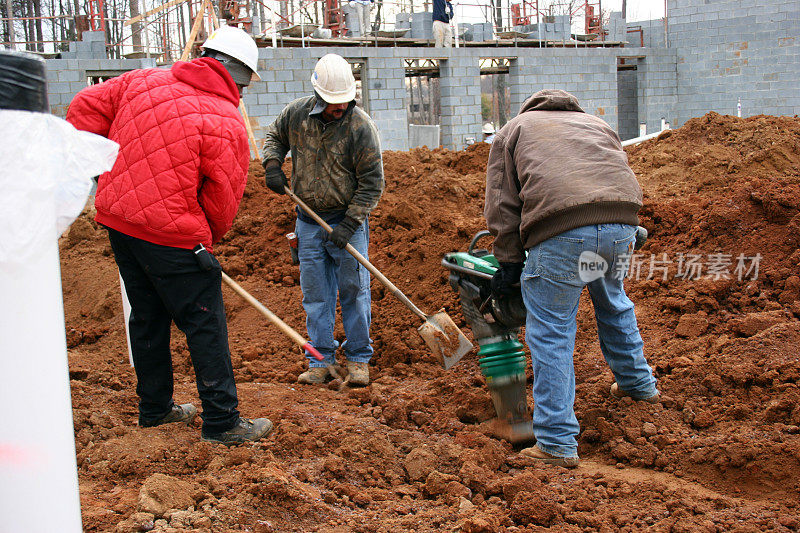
pixel 413 452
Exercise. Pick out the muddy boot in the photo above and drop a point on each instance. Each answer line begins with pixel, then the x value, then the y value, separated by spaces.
pixel 534 452
pixel 180 413
pixel 619 393
pixel 315 375
pixel 358 374
pixel 245 430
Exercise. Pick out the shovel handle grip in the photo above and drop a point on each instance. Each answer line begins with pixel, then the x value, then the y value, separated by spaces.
pixel 272 317
pixel 360 258
pixel 313 351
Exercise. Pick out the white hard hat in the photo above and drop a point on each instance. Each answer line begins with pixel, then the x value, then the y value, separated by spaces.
pixel 488 128
pixel 333 79
pixel 235 43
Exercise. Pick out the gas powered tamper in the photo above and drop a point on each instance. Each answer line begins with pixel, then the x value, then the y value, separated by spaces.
pixel 495 327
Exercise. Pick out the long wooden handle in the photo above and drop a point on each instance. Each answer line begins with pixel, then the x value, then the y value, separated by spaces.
pixel 272 317
pixel 360 258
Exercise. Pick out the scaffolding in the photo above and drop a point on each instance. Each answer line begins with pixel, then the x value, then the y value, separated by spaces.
pixel 154 28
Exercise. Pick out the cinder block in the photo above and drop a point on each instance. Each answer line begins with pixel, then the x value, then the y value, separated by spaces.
pixel 285 75
pixel 77 86
pixel 69 75
pixel 294 87
pixel 267 98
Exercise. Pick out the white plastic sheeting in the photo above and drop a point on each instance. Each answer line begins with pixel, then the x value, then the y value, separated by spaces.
pixel 46 167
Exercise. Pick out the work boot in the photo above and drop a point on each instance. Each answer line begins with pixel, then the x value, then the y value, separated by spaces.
pixel 314 375
pixel 358 374
pixel 245 430
pixel 179 413
pixel 534 452
pixel 619 393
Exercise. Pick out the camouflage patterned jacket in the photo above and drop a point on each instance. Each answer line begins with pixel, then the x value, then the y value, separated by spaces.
pixel 336 167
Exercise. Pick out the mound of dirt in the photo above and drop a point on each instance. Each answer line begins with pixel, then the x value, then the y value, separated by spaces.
pixel 414 451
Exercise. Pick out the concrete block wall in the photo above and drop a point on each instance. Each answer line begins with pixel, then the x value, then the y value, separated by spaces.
pixel 652 35
pixel 627 104
pixel 589 74
pixel 286 76
pixel 657 82
pixel 718 52
pixel 65 77
pixel 556 28
pixel 92 46
pixel 421 25
pixel 731 49
pixel 460 82
pixel 616 27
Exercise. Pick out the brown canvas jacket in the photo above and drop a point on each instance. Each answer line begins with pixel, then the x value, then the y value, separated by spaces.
pixel 553 168
pixel 335 166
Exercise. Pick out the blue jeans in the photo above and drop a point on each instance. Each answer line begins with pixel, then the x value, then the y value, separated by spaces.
pixel 326 270
pixel 552 282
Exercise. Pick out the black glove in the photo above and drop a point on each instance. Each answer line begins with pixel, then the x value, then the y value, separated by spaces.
pixel 275 178
pixel 507 275
pixel 343 232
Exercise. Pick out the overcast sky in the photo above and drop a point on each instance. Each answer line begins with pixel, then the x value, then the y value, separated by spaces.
pixel 638 9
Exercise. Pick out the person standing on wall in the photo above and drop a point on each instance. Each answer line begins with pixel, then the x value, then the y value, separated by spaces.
pixel 362 9
pixel 172 193
pixel 559 195
pixel 337 170
pixel 442 16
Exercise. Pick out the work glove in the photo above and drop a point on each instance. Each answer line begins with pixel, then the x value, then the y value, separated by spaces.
pixel 504 278
pixel 343 232
pixel 275 179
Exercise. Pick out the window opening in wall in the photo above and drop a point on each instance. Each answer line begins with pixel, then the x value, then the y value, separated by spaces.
pixel 423 92
pixel 93 77
pixel 495 91
pixel 359 71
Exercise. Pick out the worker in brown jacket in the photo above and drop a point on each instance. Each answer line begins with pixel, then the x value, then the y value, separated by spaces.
pixel 562 204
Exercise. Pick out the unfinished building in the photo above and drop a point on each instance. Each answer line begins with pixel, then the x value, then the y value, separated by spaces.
pixel 726 56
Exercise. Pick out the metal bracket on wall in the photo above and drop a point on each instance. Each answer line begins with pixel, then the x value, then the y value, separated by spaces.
pixel 495 65
pixel 422 67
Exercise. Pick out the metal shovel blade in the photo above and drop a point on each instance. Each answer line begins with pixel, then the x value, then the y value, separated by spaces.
pixel 444 338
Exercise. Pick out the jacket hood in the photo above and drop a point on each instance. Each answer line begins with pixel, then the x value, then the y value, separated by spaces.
pixel 551 100
pixel 207 74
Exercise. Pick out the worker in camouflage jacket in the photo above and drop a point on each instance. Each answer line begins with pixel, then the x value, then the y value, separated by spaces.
pixel 337 170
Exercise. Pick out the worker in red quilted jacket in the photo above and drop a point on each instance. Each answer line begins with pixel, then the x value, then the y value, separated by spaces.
pixel 172 193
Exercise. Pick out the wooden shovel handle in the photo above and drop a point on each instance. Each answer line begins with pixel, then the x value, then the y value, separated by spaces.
pixel 283 326
pixel 360 258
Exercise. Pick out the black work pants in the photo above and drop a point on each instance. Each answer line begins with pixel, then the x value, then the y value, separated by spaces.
pixel 165 284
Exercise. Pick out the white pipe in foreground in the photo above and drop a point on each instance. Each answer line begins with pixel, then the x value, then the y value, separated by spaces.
pixel 126 314
pixel 45 179
pixel 637 140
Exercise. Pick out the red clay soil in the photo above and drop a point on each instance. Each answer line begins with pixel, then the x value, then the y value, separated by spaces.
pixel 414 451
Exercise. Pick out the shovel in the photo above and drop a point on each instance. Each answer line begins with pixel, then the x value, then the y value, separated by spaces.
pixel 439 332
pixel 292 334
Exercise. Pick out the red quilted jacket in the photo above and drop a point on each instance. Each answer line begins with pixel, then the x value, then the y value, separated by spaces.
pixel 183 157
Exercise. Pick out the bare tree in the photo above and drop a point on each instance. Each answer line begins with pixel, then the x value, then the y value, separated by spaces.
pixel 37 12
pixel 497 9
pixel 136 27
